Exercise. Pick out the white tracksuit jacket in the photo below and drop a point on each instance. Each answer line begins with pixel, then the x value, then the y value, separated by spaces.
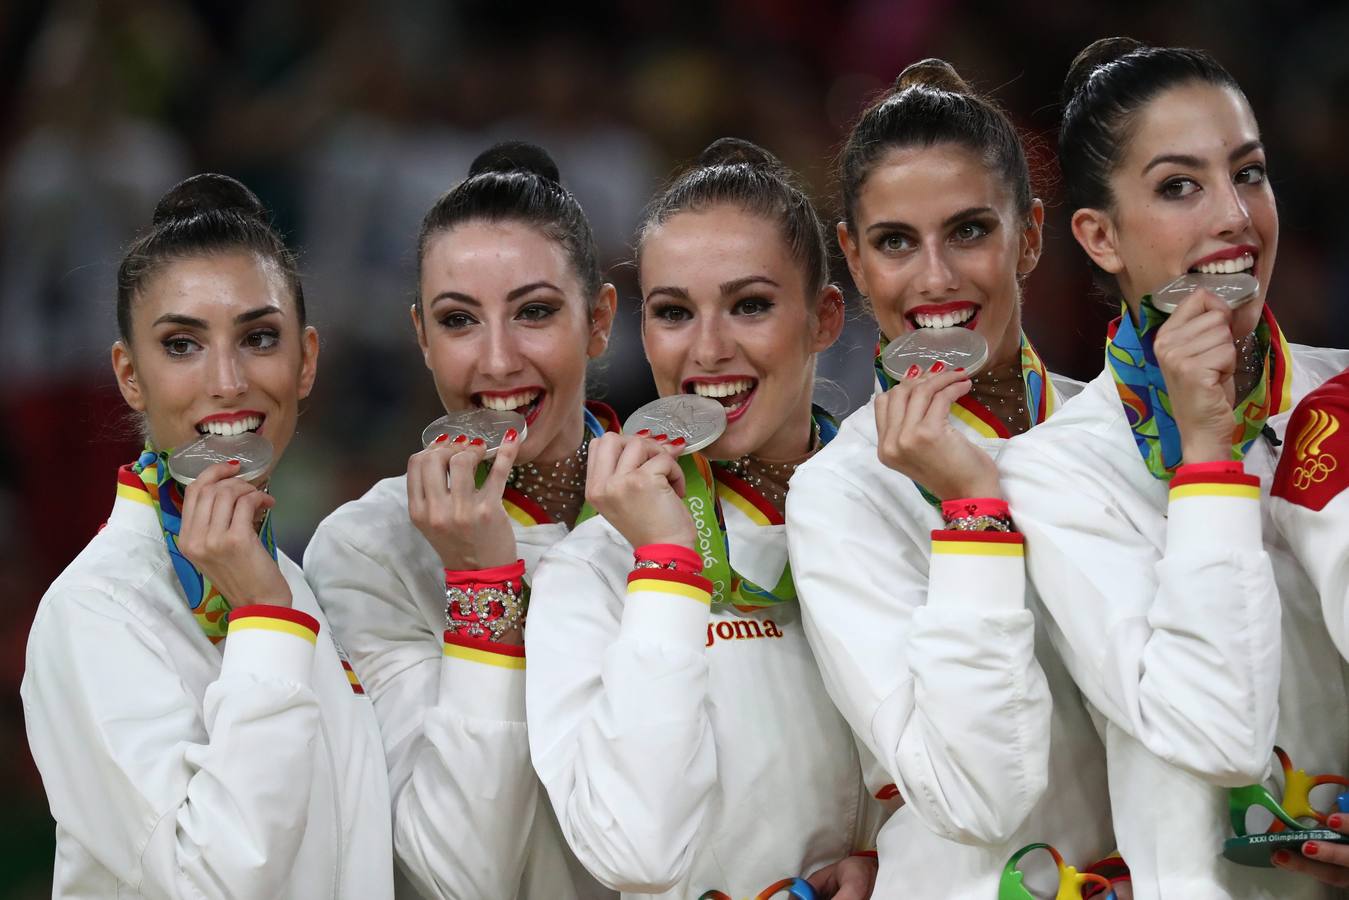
pixel 467 821
pixel 1167 612
pixel 176 768
pixel 1310 504
pixel 931 650
pixel 686 749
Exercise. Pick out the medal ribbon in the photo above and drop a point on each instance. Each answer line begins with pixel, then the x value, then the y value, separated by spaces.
pixel 1147 406
pixel 147 481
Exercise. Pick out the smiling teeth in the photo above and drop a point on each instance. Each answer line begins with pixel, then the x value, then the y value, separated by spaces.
pixel 1227 266
pixel 945 320
pixel 723 388
pixel 510 401
pixel 227 429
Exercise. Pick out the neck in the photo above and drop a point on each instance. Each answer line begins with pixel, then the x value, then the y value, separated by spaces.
pixel 794 439
pixel 565 442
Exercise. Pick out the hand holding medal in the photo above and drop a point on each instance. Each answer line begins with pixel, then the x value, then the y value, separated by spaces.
pixel 634 480
pixel 221 515
pixel 462 518
pixel 914 435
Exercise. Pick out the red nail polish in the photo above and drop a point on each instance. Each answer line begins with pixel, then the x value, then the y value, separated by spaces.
pixel 659 437
pixel 678 442
pixel 937 366
pixel 477 442
pixel 1311 848
pixel 960 368
pixel 913 372
pixel 1282 856
pixel 232 462
pixel 1336 821
pixel 644 432
pixel 511 435
pixel 441 439
pixel 461 439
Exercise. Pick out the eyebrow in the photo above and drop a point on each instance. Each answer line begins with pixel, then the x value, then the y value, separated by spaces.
pixel 194 322
pixel 950 220
pixel 514 295
pixel 1194 162
pixel 726 287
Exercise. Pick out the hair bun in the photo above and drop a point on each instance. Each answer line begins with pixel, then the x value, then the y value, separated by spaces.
pixel 516 156
pixel 206 193
pixel 1093 56
pixel 932 73
pixel 729 151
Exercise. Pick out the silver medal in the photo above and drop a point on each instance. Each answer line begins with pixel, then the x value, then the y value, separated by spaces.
pixel 488 425
pixel 956 348
pixel 1234 289
pixel 698 420
pixel 253 451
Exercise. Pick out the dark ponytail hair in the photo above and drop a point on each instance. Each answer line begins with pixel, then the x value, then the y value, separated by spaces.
pixel 518 182
pixel 1107 85
pixel 742 174
pixel 931 104
pixel 203 215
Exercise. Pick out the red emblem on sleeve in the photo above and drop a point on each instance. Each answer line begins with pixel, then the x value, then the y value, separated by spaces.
pixel 1314 467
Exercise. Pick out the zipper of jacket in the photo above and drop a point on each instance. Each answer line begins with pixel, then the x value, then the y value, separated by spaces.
pixel 337 808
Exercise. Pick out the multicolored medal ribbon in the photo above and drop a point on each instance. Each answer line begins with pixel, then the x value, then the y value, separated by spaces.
pixel 1094 881
pixel 1296 817
pixel 795 887
pixel 147 481
pixel 1147 406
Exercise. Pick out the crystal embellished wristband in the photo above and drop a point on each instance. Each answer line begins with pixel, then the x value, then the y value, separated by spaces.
pixel 977 514
pixel 667 556
pixel 485 604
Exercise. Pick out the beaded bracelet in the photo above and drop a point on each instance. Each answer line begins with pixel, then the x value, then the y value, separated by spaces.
pixel 976 514
pixel 667 556
pixel 485 604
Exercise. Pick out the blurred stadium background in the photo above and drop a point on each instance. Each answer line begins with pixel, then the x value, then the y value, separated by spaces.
pixel 350 116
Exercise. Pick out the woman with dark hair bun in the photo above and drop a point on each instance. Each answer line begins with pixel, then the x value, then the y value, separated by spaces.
pixel 1189 628
pixel 191 714
pixel 676 715
pixel 427 577
pixel 906 556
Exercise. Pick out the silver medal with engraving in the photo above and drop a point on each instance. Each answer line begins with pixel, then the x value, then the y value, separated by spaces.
pixel 488 425
pixel 1234 289
pixel 253 451
pixel 698 420
pixel 955 347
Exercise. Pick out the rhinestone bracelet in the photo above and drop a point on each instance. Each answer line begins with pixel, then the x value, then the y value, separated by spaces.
pixel 483 611
pixel 979 523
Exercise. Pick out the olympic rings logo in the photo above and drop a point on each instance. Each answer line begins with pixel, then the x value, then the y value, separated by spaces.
pixel 1314 471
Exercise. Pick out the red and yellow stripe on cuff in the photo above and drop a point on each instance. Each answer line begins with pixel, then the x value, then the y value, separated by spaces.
pixel 978 543
pixel 490 653
pixel 668 581
pixel 1214 485
pixel 351 677
pixel 264 617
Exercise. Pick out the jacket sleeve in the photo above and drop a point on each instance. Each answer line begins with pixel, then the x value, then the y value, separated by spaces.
pixel 1310 499
pixel 930 658
pixel 175 794
pixel 452 719
pixel 618 723
pixel 1179 646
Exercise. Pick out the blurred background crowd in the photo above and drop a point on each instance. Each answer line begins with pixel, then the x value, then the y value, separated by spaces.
pixel 349 117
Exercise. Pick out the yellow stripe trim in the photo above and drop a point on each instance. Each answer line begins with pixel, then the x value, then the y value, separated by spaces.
pixel 351 676
pixel 978 548
pixel 749 509
pixel 127 492
pixel 518 514
pixel 262 623
pixel 473 654
pixel 662 586
pixel 973 421
pixel 1184 491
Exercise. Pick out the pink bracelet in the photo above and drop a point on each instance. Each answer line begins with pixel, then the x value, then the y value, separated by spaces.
pixel 668 556
pixel 1218 467
pixel 971 507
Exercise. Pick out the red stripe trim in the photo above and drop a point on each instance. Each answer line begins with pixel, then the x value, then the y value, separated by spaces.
pixel 129 478
pixel 979 537
pixel 869 854
pixel 983 414
pixel 485 646
pixel 495 575
pixel 606 414
pixel 695 581
pixel 1182 478
pixel 284 613
pixel 530 508
pixel 1278 371
pixel 751 496
pixel 346 665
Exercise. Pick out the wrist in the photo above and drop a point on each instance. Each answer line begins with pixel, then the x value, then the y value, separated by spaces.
pixel 486 604
pixel 1205 450
pixel 676 557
